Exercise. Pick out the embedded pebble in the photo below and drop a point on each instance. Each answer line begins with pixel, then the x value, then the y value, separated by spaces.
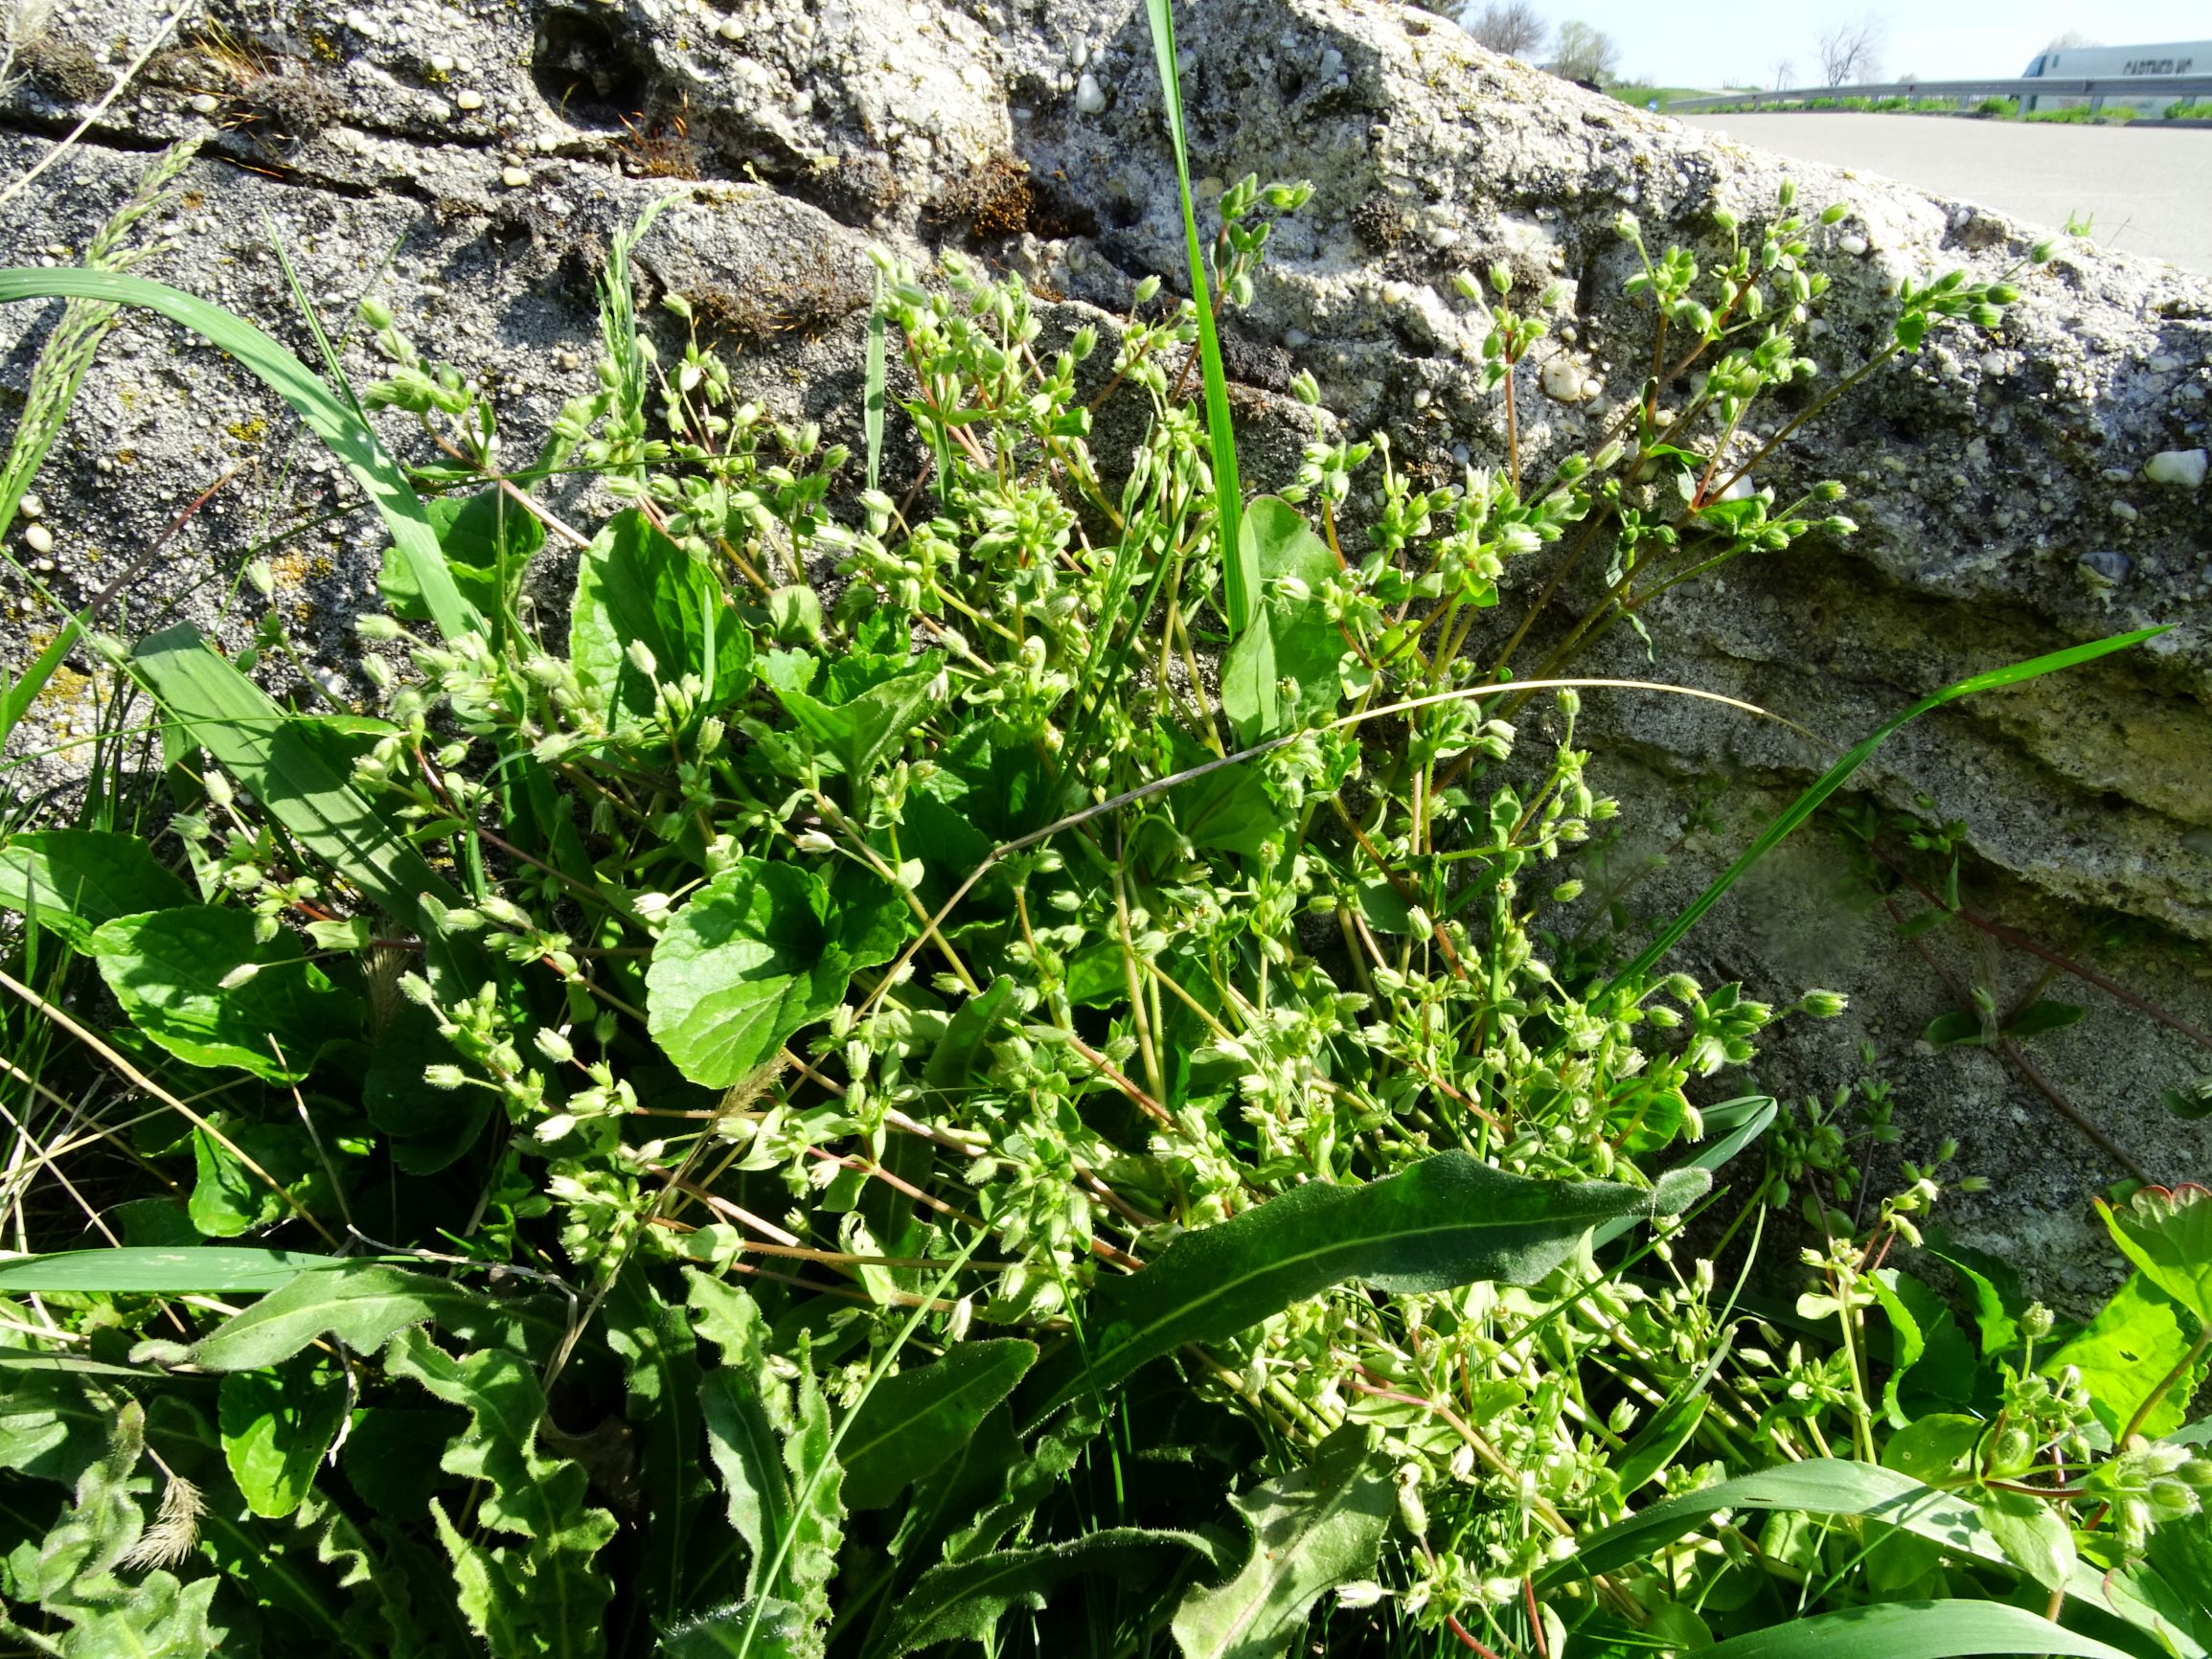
pixel 206 103
pixel 2110 565
pixel 1562 381
pixel 39 538
pixel 440 63
pixel 2185 469
pixel 513 177
pixel 468 101
pixel 730 29
pixel 1855 245
pixel 32 506
pixel 1089 96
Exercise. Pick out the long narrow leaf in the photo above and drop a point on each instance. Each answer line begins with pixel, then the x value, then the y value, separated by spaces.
pixel 872 409
pixel 349 437
pixel 1448 1221
pixel 210 1268
pixel 1237 574
pixel 1915 1630
pixel 1835 778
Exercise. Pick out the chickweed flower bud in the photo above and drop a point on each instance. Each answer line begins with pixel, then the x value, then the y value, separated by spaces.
pixel 1144 291
pixel 554 1046
pixel 263 577
pixel 1824 1003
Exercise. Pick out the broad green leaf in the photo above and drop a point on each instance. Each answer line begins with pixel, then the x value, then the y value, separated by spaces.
pixel 2130 1348
pixel 213 1269
pixel 958 1600
pixel 198 982
pixel 968 1036
pixel 426 1127
pixel 1291 638
pixel 1448 1221
pixel 229 1198
pixel 2035 1535
pixel 1240 581
pixel 2045 1015
pixel 332 418
pixel 1313 1529
pixel 541 1593
pixel 1737 1122
pixel 661 1376
pixel 2167 1234
pixel 1914 1630
pixel 1958 1025
pixel 256 741
pixel 362 1305
pixel 636 587
pixel 1835 778
pixel 77 879
pixel 1251 682
pixel 745 963
pixel 277 1424
pixel 859 729
pixel 1656 1444
pixel 913 1422
pixel 480 535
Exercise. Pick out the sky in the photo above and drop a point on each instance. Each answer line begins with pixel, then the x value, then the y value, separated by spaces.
pixel 1714 42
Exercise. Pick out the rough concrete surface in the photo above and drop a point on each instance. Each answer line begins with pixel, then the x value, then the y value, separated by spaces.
pixel 464 162
pixel 2145 189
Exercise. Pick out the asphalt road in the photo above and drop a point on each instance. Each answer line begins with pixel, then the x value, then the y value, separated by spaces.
pixel 2150 191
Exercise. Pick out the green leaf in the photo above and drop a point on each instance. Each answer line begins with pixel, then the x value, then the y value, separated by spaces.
pixel 77 879
pixel 337 421
pixel 362 1305
pixel 1240 580
pixel 1445 1222
pixel 214 1269
pixel 2034 1535
pixel 748 1414
pixel 775 1630
pixel 2168 1236
pixel 1914 1630
pixel 1959 1026
pixel 425 1128
pixel 746 962
pixel 259 745
pixel 635 586
pixel 1312 1529
pixel 1251 682
pixel 964 1601
pixel 1835 778
pixel 481 535
pixel 198 982
pixel 859 730
pixel 917 1419
pixel 2129 1349
pixel 2044 1016
pixel 1739 1122
pixel 1654 1449
pixel 277 1424
pixel 541 1595
pixel 661 1374
pixel 1937 1450
pixel 968 1036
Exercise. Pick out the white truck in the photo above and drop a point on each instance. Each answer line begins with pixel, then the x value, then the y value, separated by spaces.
pixel 2080 62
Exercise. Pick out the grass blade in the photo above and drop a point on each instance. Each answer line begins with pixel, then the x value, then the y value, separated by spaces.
pixel 212 1269
pixel 1237 576
pixel 1835 778
pixel 872 409
pixel 350 437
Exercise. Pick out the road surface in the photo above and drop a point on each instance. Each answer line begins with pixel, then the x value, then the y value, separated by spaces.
pixel 2149 189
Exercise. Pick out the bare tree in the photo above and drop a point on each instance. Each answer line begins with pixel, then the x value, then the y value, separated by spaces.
pixel 1852 52
pixel 1585 53
pixel 1785 72
pixel 1512 27
pixel 2072 40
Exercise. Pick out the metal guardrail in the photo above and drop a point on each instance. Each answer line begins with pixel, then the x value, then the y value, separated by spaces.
pixel 2167 87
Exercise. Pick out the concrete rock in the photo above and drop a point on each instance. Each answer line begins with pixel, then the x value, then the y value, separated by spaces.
pixel 464 162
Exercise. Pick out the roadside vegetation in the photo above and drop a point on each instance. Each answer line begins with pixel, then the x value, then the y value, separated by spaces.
pixel 1049 1052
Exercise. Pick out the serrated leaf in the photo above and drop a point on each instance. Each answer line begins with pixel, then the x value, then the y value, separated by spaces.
pixel 774 1630
pixel 198 982
pixel 748 962
pixel 913 1422
pixel 1445 1222
pixel 277 1424
pixel 77 879
pixel 2167 1234
pixel 748 1413
pixel 361 1305
pixel 958 1600
pixel 1312 1529
pixel 541 1597
pixel 661 1375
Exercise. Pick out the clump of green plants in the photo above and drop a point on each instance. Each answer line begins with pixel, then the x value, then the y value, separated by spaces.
pixel 2184 110
pixel 1056 1087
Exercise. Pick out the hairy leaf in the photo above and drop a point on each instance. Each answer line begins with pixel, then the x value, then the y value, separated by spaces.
pixel 1312 1529
pixel 964 1601
pixel 1448 1221
pixel 362 1305
pixel 277 1424
pixel 215 1268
